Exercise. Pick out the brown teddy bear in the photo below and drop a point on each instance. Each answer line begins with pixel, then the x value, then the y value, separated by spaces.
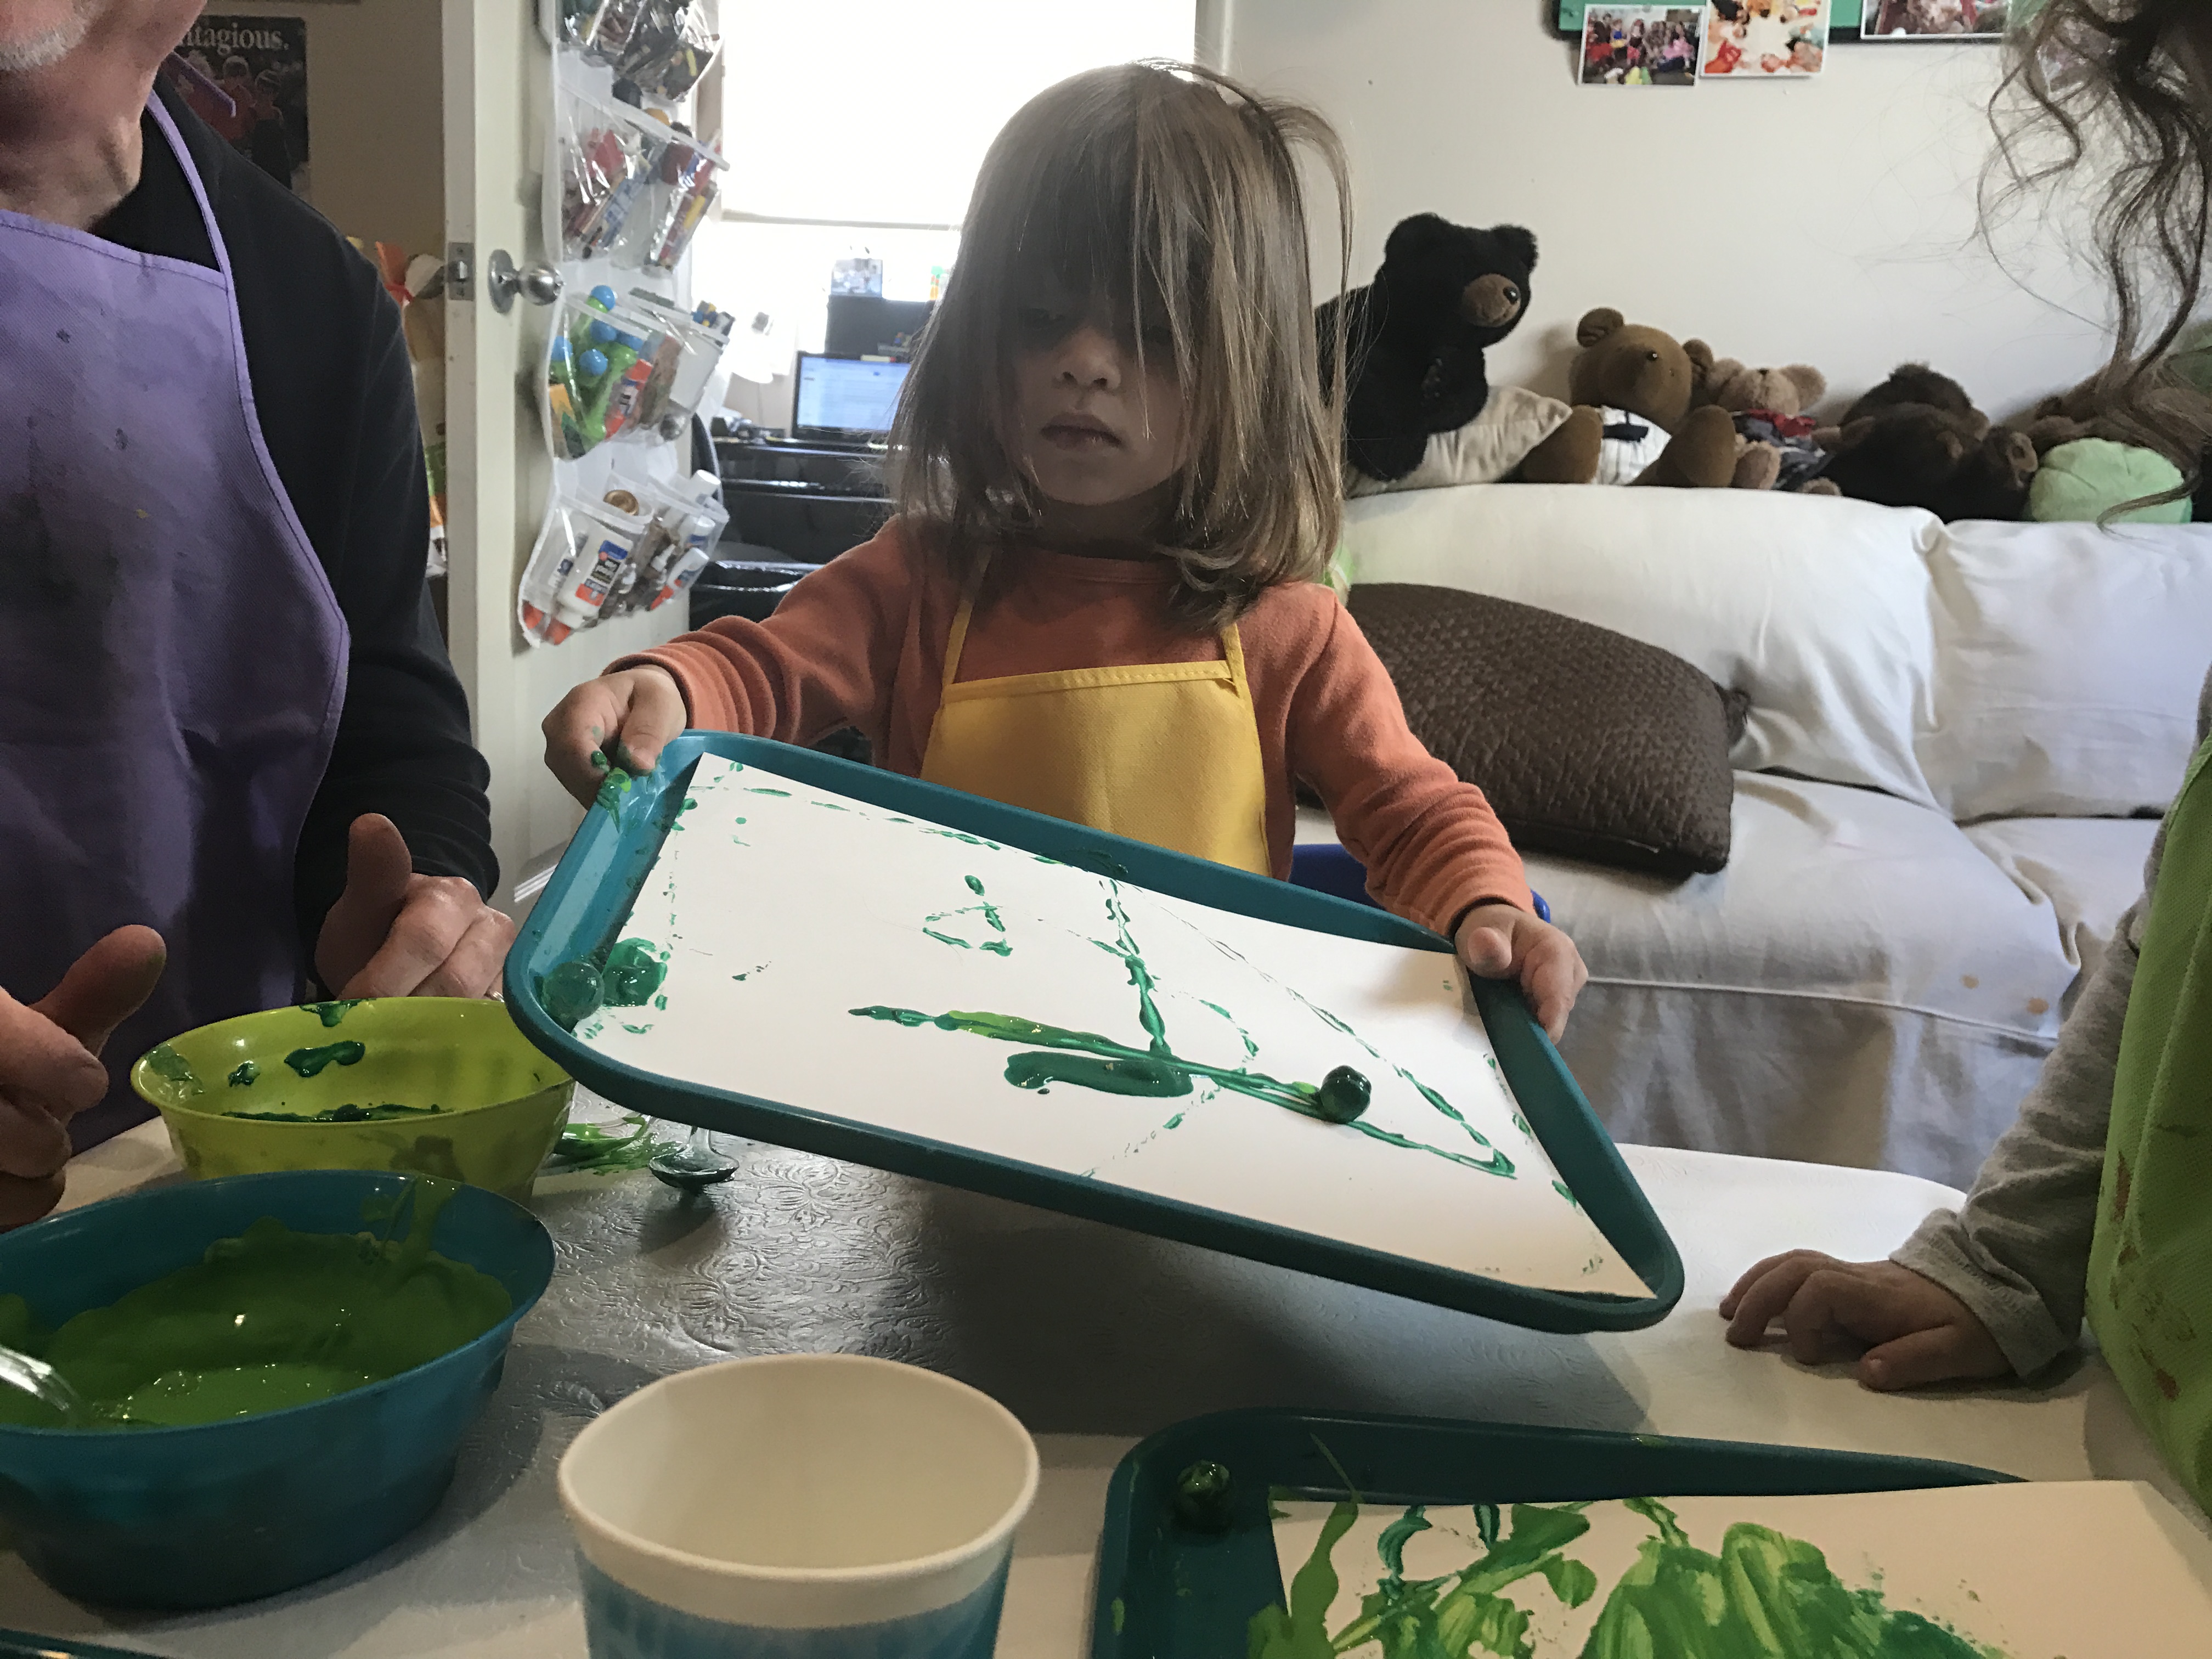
pixel 1633 424
pixel 1767 406
pixel 1917 439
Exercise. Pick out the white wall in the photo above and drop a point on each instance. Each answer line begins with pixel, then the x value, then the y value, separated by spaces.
pixel 1831 222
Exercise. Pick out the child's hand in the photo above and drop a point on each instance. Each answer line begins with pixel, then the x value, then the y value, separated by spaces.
pixel 1907 1330
pixel 1504 941
pixel 626 719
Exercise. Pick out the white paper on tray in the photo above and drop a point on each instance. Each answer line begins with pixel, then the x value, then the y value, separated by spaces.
pixel 800 927
pixel 2089 1569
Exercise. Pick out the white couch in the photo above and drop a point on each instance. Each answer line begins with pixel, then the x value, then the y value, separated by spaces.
pixel 1960 738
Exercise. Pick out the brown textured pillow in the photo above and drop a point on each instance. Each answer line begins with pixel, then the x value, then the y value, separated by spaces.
pixel 1589 744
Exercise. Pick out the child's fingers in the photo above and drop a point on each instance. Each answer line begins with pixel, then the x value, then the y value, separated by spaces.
pixel 579 724
pixel 656 716
pixel 1939 1355
pixel 1762 1294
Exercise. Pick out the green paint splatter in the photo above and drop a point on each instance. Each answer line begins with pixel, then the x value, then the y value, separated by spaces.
pixel 1763 1597
pixel 594 1149
pixel 310 1062
pixel 1251 1049
pixel 332 1013
pixel 1120 1614
pixel 247 1073
pixel 349 1113
pixel 989 911
pixel 614 788
pixel 1561 1187
pixel 753 790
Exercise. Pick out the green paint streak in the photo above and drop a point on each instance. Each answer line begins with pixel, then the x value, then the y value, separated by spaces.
pixel 270 1319
pixel 989 911
pixel 247 1074
pixel 332 1013
pixel 1091 1061
pixel 753 790
pixel 348 1113
pixel 635 971
pixel 310 1062
pixel 1251 1049
pixel 593 1149
pixel 661 1002
pixel 1561 1187
pixel 1120 1612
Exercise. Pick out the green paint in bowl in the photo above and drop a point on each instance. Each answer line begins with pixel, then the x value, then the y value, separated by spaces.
pixel 443 1086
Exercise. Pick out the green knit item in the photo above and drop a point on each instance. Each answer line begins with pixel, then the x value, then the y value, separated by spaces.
pixel 2080 482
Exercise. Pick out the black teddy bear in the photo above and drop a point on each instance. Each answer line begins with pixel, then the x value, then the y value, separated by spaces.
pixel 1415 336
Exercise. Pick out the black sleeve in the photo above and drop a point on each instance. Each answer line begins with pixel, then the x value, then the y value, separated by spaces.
pixel 335 400
pixel 403 742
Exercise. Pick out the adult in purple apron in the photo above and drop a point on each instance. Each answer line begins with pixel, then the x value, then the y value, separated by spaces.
pixel 171 657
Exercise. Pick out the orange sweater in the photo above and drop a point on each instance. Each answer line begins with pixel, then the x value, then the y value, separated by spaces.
pixel 861 642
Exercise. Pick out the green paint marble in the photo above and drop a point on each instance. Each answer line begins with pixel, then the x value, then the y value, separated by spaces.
pixel 270 1319
pixel 245 1074
pixel 635 971
pixel 172 1067
pixel 311 1062
pixel 572 993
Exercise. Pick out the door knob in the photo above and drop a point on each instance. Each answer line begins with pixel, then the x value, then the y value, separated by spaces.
pixel 539 284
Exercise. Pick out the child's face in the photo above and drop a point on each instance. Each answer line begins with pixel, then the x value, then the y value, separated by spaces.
pixel 1090 427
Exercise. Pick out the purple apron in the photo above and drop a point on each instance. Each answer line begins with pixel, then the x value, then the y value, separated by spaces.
pixel 172 658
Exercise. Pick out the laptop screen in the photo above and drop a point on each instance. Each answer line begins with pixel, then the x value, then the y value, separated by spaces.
pixel 846 397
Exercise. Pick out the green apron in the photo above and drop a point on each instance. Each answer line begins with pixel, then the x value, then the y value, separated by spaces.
pixel 2150 1260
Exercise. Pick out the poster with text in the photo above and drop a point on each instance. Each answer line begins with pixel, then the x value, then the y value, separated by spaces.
pixel 1764 40
pixel 247 78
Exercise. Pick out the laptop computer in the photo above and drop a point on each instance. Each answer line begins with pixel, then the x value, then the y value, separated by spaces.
pixel 844 402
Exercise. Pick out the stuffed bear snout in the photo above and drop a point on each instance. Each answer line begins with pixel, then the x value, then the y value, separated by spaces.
pixel 1490 301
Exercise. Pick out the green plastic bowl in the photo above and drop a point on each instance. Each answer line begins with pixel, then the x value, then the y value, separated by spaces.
pixel 502 1104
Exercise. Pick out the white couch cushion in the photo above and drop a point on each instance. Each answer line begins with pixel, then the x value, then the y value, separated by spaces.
pixel 1818 608
pixel 2068 664
pixel 2088 871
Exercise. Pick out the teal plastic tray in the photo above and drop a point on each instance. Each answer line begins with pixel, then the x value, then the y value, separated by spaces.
pixel 589 897
pixel 1166 1592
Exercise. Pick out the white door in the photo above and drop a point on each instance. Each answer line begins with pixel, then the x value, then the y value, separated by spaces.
pixel 498 99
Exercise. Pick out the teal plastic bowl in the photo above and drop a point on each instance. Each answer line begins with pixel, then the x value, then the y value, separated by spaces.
pixel 224 1512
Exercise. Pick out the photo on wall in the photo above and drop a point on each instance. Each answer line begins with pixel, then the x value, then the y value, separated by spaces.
pixel 1933 20
pixel 1764 40
pixel 1640 46
pixel 247 78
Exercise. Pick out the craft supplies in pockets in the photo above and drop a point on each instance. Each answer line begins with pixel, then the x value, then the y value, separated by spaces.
pixel 633 369
pixel 634 188
pixel 661 47
pixel 633 547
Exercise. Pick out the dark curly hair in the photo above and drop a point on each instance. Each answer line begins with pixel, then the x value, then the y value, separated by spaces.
pixel 2106 76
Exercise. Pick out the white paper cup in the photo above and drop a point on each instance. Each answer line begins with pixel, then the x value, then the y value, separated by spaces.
pixel 805 1506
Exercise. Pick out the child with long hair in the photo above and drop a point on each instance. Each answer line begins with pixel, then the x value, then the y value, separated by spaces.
pixel 2098 1202
pixel 1116 487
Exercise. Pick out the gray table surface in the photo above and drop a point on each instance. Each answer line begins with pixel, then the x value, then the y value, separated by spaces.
pixel 1095 1337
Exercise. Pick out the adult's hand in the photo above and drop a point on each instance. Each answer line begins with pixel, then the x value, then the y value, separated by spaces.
pixel 626 717
pixel 50 1067
pixel 1904 1329
pixel 1504 941
pixel 395 933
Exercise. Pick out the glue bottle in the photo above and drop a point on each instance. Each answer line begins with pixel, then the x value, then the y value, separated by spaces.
pixel 613 538
pixel 691 530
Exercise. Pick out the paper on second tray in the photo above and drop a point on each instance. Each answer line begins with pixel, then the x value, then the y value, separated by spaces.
pixel 2086 1570
pixel 832 956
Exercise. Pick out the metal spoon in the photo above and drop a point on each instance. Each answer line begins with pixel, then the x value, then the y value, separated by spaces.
pixel 696 1165
pixel 43 1382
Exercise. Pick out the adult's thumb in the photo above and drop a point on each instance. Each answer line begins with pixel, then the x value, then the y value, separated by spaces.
pixel 106 985
pixel 378 867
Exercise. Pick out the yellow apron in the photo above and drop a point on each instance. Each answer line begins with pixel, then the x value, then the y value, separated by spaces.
pixel 1165 752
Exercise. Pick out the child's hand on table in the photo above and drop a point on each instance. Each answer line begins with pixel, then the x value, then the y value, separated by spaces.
pixel 625 718
pixel 1907 1330
pixel 1504 941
